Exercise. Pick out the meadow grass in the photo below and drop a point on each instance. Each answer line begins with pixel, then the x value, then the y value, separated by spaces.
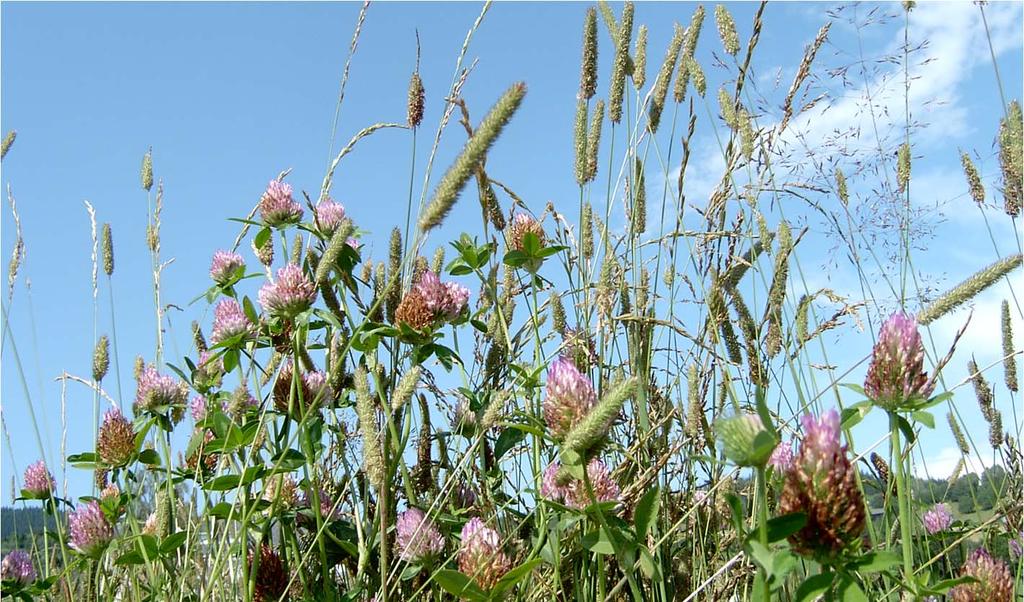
pixel 629 396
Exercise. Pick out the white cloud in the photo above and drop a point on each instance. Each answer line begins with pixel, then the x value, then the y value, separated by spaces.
pixel 942 464
pixel 955 44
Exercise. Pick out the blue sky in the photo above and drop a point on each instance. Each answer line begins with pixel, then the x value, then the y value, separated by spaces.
pixel 228 95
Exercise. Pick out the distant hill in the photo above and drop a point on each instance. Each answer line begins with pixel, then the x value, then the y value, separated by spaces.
pixel 20 526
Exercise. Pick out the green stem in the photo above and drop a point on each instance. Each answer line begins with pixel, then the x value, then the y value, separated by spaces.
pixel 902 499
pixel 762 524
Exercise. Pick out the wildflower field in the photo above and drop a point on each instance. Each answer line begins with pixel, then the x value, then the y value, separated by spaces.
pixel 726 328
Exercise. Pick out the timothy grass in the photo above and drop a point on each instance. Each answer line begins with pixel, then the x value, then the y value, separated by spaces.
pixel 603 417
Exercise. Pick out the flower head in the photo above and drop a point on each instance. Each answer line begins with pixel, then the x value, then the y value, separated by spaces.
pixel 455 300
pixel 413 311
pixel 431 300
pixel 224 266
pixel 463 496
pixel 38 481
pixel 313 389
pixel 240 402
pixel 151 525
pixel 277 207
pixel 574 493
pixel 229 320
pixel 199 460
pixel 328 216
pixel 782 456
pixel 523 224
pixel 116 440
pixel 110 492
pixel 465 420
pixel 896 375
pixel 417 537
pixel 290 294
pixel 89 531
pixel 745 440
pixel 481 556
pixel 281 489
pixel 937 519
pixel 994 581
pixel 327 509
pixel 156 390
pixel 605 489
pixel 271 575
pixel 1016 547
pixel 17 566
pixel 822 484
pixel 209 371
pixel 569 396
pixel 549 487
pixel 820 440
pixel 445 300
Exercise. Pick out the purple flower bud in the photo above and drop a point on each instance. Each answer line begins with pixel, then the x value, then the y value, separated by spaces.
pixel 315 389
pixel 155 390
pixel 17 566
pixel 455 300
pixel 38 481
pixel 290 294
pixel 822 484
pixel 209 371
pixel 463 496
pixel 994 581
pixel 464 419
pixel 89 531
pixel 445 300
pixel 429 285
pixel 570 396
pixel 523 224
pixel 1017 546
pixel 574 493
pixel 328 216
pixel 417 537
pixel 937 519
pixel 229 320
pixel 481 556
pixel 198 408
pixel 327 509
pixel 782 456
pixel 224 266
pixel 277 207
pixel 605 489
pixel 313 392
pixel 896 375
pixel 820 442
pixel 549 487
